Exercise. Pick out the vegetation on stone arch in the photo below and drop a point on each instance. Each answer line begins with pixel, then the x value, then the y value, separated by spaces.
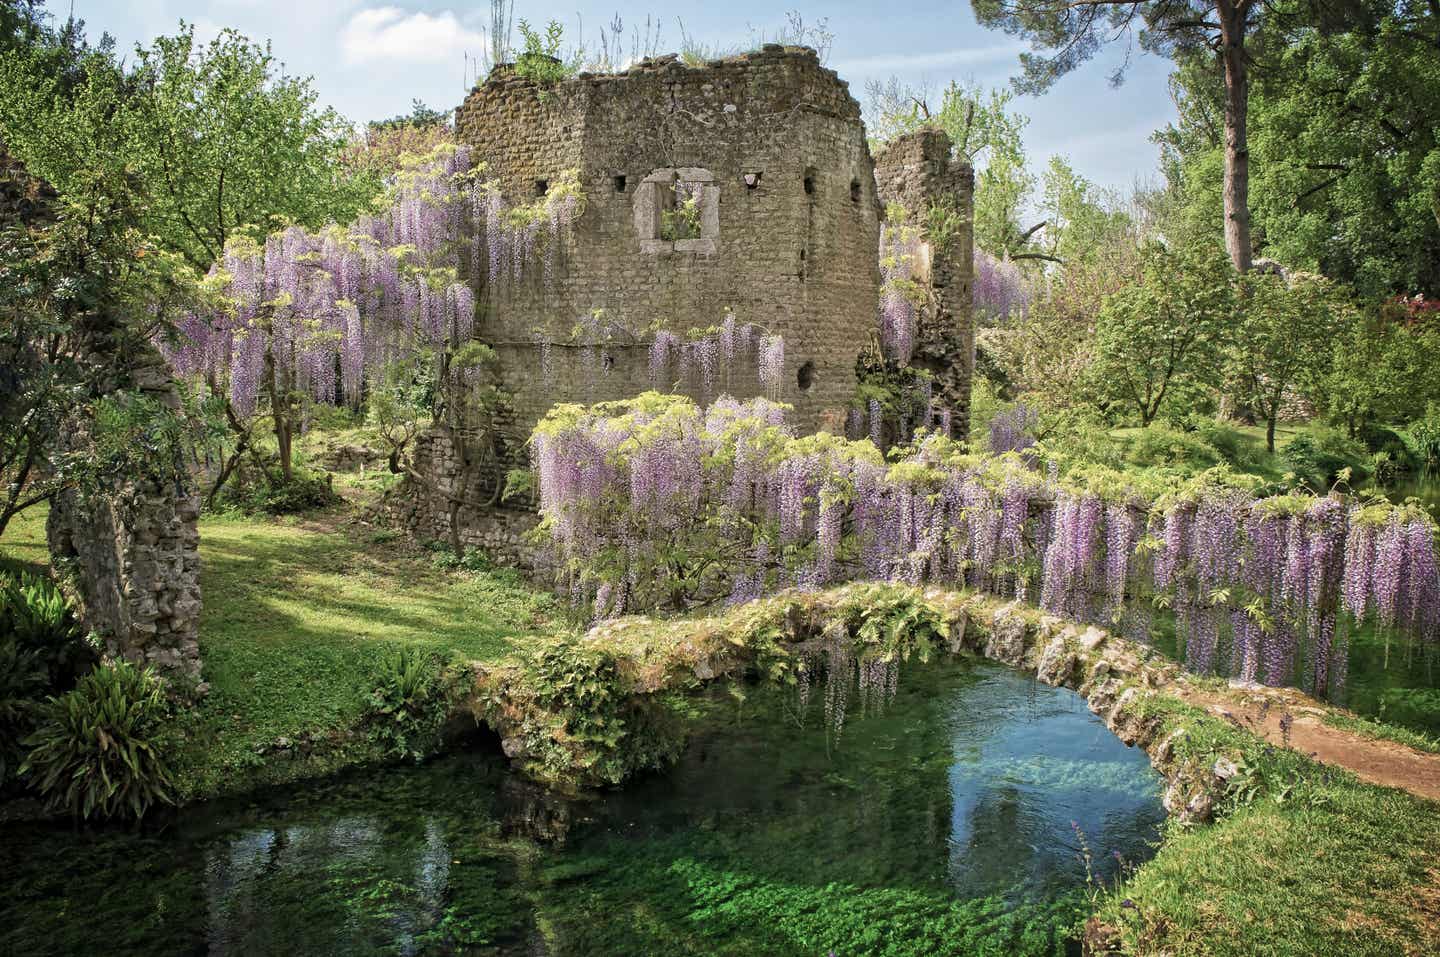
pixel 653 503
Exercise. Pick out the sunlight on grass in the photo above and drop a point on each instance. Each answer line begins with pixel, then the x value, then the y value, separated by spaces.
pixel 296 620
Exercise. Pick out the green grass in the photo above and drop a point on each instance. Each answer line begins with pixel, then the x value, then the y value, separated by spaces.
pixel 295 620
pixel 1383 731
pixel 1316 862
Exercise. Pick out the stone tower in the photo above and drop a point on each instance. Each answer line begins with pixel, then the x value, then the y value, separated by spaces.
pixel 919 172
pixel 772 146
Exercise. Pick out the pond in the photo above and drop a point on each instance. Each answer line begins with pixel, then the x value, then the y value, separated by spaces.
pixel 955 822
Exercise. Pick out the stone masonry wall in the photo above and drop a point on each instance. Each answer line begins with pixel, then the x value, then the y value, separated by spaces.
pixel 918 171
pixel 773 143
pixel 774 148
pixel 133 544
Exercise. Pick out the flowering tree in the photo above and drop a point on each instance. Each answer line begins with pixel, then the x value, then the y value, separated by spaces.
pixel 653 502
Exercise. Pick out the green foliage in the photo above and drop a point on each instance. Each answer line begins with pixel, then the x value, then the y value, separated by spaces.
pixel 541 61
pixel 473 560
pixel 79 286
pixel 1425 437
pixel 43 650
pixel 1157 343
pixel 303 493
pixel 97 752
pixel 1283 343
pixel 616 730
pixel 1344 170
pixel 23 683
pixel 414 692
pixel 681 221
pixel 1381 370
pixel 1319 454
pixel 214 134
pixel 890 624
pixel 1162 446
pixel 400 401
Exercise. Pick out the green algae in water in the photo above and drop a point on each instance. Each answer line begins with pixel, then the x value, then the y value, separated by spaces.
pixel 942 826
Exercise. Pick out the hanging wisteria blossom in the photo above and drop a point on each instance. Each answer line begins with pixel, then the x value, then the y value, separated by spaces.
pixel 653 491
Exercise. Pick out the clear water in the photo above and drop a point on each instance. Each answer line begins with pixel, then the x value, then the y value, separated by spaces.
pixel 950 824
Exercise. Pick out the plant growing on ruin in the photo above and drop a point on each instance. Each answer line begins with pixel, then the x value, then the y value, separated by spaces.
pixel 902 295
pixel 541 60
pixel 682 220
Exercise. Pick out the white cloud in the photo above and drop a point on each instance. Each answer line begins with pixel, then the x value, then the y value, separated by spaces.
pixel 389 33
pixel 917 62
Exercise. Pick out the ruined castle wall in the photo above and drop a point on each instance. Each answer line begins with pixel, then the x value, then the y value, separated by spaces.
pixel 918 171
pixel 792 249
pixel 773 147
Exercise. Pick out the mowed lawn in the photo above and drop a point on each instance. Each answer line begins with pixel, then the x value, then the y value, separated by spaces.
pixel 297 617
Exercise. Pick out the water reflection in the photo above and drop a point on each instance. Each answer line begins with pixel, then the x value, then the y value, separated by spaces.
pixel 940 826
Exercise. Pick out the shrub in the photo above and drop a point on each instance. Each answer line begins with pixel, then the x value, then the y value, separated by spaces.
pixel 1318 454
pixel 1166 447
pixel 38 617
pixel 43 650
pixel 95 751
pixel 621 731
pixel 413 694
pixel 23 681
pixel 1234 446
pixel 301 494
pixel 1425 438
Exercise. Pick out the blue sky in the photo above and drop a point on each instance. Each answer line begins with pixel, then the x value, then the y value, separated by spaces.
pixel 370 57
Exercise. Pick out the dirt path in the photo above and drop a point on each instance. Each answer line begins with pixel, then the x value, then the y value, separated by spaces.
pixel 1263 710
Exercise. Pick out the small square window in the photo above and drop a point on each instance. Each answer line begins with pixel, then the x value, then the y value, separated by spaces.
pixel 620 184
pixel 751 180
pixel 541 187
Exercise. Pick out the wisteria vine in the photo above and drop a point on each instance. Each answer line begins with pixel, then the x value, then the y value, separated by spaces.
pixel 655 502
pixel 320 310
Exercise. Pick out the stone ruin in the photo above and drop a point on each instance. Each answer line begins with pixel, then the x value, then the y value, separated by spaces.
pixel 132 544
pixel 790 205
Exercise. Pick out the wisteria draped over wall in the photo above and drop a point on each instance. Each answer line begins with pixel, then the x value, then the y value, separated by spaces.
pixel 655 502
pixel 338 303
pixel 902 253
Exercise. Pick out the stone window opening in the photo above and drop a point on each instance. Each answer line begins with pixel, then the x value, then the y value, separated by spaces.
pixel 620 183
pixel 805 375
pixel 810 181
pixel 751 180
pixel 678 210
pixel 854 191
pixel 541 187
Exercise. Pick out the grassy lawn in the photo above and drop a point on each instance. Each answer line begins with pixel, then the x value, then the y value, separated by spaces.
pixel 1315 862
pixel 296 617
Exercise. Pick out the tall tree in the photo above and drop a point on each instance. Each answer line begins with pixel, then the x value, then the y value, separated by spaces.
pixel 1067 33
pixel 1345 135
